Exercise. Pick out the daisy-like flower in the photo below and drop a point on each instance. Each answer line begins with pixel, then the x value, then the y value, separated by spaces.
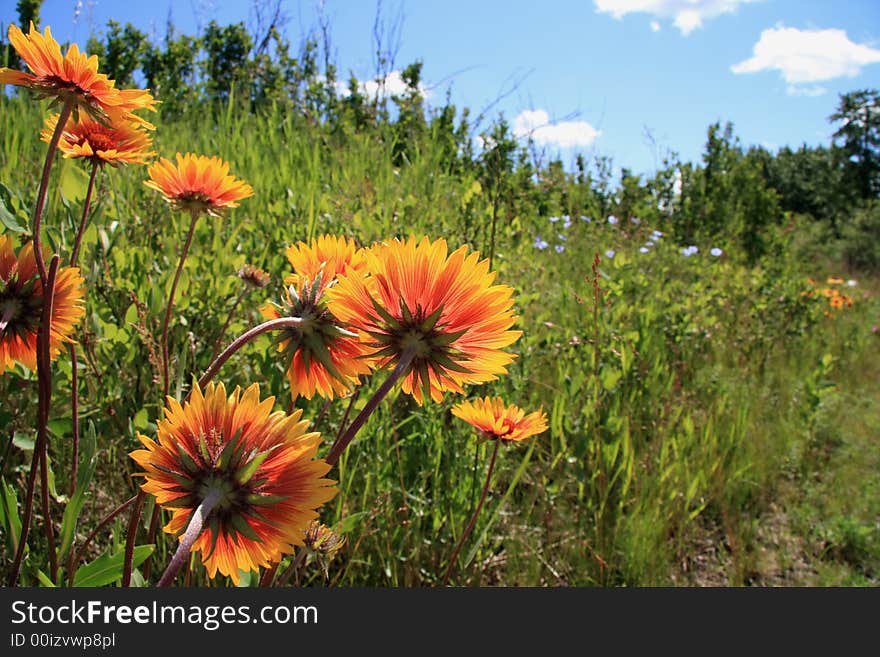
pixel 323 357
pixel 439 309
pixel 115 141
pixel 836 302
pixel 496 420
pixel 21 306
pixel 197 183
pixel 834 280
pixel 257 468
pixel 70 78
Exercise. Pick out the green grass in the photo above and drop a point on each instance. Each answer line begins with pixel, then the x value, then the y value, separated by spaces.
pixel 708 424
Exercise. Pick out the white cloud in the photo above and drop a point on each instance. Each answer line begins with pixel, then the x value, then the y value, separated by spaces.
pixel 804 56
pixel 687 15
pixel 536 124
pixel 392 85
pixel 655 26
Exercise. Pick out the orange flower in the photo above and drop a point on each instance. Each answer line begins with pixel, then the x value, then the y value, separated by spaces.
pixel 253 276
pixel 439 309
pixel 21 306
pixel 323 356
pixel 833 280
pixel 830 292
pixel 495 421
pixel 72 77
pixel 261 464
pixel 116 141
pixel 197 183
pixel 837 302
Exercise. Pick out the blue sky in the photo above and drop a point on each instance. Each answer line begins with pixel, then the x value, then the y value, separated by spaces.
pixel 628 79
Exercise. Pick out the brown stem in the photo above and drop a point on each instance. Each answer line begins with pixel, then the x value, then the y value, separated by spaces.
pixel 269 575
pixel 75 555
pixel 151 537
pixel 85 216
pixel 66 109
pixel 243 339
pixel 294 567
pixel 473 519
pixel 130 536
pixel 44 389
pixel 74 416
pixel 189 537
pixel 47 514
pixel 166 382
pixel 403 366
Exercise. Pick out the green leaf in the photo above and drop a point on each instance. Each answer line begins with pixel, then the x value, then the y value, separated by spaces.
pixel 9 220
pixel 107 568
pixel 10 517
pixel 85 471
pixel 23 441
pixel 44 579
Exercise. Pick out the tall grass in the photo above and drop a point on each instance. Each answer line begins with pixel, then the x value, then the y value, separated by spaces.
pixel 688 397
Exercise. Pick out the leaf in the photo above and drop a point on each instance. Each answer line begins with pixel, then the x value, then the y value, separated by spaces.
pixel 23 441
pixel 9 220
pixel 349 522
pixel 10 518
pixel 85 471
pixel 107 568
pixel 44 579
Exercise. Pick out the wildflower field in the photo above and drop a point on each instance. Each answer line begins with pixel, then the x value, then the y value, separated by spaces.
pixel 290 338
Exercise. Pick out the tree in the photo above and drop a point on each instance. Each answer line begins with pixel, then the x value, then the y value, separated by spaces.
pixel 859 114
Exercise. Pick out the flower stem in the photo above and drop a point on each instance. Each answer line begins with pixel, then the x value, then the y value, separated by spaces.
pixel 66 109
pixel 76 554
pixel 403 366
pixel 71 348
pixel 166 382
pixel 189 537
pixel 243 339
pixel 85 216
pixel 130 536
pixel 473 519
pixel 44 389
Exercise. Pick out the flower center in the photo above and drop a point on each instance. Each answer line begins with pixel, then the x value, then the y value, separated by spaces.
pixel 21 308
pixel 98 137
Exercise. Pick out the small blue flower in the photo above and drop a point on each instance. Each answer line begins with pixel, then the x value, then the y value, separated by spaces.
pixel 644 249
pixel 688 251
pixel 553 220
pixel 656 235
pixel 566 221
pixel 649 243
pixel 562 236
pixel 609 253
pixel 585 218
pixel 716 252
pixel 559 248
pixel 635 220
pixel 540 244
pixel 612 219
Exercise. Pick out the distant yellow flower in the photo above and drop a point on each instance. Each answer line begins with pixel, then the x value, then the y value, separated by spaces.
pixel 72 78
pixel 440 309
pixel 21 306
pixel 833 280
pixel 322 356
pixel 837 302
pixel 197 183
pixel 116 141
pixel 497 421
pixel 260 468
